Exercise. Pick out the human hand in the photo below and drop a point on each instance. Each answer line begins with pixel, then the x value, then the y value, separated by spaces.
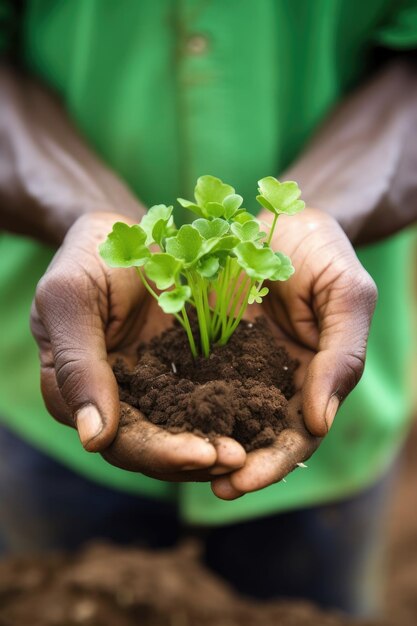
pixel 322 316
pixel 84 316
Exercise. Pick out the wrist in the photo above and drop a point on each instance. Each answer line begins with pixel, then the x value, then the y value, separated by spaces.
pixel 49 177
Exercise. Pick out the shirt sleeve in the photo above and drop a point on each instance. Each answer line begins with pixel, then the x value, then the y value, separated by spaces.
pixel 400 31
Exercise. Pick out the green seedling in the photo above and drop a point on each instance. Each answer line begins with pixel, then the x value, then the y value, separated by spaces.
pixel 217 264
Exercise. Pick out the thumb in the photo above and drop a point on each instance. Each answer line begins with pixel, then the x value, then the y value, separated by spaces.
pixel 338 366
pixel 330 377
pixel 78 375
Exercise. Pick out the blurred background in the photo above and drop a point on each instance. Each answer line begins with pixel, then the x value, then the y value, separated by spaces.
pixel 142 97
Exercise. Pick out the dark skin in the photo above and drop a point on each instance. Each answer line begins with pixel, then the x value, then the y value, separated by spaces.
pixel 55 188
pixel 86 314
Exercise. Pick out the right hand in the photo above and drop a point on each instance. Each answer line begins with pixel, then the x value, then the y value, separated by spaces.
pixel 85 315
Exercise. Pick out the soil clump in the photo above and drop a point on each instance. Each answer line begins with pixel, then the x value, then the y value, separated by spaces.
pixel 241 390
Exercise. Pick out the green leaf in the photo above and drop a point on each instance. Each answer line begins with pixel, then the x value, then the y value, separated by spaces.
pixel 258 263
pixel 231 204
pixel 279 197
pixel 163 269
pixel 211 189
pixel 159 232
pixel 191 206
pixel 210 229
pixel 214 209
pixel 224 244
pixel 248 231
pixel 264 202
pixel 285 269
pixel 208 266
pixel 156 222
pixel 242 216
pixel 125 246
pixel 173 301
pixel 257 296
pixel 187 245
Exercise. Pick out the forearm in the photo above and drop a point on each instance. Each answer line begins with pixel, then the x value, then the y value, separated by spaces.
pixel 48 175
pixel 361 167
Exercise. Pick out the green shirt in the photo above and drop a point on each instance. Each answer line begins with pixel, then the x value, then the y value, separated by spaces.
pixel 171 90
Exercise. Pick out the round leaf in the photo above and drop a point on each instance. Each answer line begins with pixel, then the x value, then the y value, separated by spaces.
pixel 246 232
pixel 258 263
pixel 285 269
pixel 211 189
pixel 186 245
pixel 159 214
pixel 242 216
pixel 231 204
pixel 162 269
pixel 125 246
pixel 214 209
pixel 224 244
pixel 191 206
pixel 210 229
pixel 208 266
pixel 279 197
pixel 173 301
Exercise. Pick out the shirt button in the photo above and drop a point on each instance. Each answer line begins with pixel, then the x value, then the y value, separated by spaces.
pixel 197 44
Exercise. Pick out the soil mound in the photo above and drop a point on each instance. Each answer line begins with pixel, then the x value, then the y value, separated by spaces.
pixel 109 586
pixel 240 391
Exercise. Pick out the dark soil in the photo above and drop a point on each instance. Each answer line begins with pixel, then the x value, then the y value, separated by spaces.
pixel 108 586
pixel 240 391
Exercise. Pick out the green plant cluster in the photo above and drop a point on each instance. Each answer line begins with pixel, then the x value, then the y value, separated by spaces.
pixel 217 264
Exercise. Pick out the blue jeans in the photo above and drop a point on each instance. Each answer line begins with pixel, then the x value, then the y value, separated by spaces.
pixel 331 554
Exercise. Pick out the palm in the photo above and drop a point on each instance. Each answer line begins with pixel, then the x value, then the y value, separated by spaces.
pixel 133 318
pixel 136 319
pixel 295 443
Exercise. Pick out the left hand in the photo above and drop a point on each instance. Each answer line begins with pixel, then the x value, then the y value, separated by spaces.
pixel 322 315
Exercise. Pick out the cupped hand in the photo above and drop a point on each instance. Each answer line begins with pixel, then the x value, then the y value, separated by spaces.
pixel 322 315
pixel 84 316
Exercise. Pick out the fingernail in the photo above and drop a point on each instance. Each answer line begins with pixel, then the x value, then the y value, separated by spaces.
pixel 331 411
pixel 89 423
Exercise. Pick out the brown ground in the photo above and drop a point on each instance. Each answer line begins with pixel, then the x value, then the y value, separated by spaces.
pixel 401 596
pixel 240 391
pixel 108 586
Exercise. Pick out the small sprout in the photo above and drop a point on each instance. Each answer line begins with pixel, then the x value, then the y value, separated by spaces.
pixel 174 368
pixel 256 295
pixel 217 264
pixel 301 465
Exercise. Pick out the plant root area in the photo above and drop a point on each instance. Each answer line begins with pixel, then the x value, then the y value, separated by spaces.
pixel 241 390
pixel 105 585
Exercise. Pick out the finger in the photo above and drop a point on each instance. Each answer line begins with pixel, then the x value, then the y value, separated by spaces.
pixel 68 304
pixel 140 446
pixel 267 466
pixel 52 397
pixel 337 368
pixel 230 456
